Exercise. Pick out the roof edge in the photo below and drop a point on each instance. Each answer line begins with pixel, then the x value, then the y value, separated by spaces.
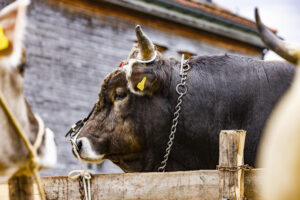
pixel 199 13
pixel 195 18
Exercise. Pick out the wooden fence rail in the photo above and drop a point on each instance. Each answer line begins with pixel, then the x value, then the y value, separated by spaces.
pixel 225 183
pixel 202 184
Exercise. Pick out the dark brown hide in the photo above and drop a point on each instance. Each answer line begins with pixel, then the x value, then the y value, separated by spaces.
pixel 224 92
pixel 111 126
pixel 118 128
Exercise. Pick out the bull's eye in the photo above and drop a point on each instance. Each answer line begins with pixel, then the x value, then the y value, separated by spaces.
pixel 120 95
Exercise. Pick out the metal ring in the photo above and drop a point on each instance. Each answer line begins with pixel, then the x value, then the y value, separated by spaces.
pixel 186 67
pixel 73 143
pixel 181 89
pixel 148 61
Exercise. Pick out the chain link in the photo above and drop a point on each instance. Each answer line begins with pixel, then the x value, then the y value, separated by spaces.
pixel 81 189
pixel 84 177
pixel 181 90
pixel 245 167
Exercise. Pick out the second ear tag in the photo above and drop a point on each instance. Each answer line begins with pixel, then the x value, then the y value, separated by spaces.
pixel 141 85
pixel 4 43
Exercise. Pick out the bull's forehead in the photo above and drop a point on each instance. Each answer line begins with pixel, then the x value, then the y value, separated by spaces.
pixel 124 70
pixel 131 61
pixel 121 76
pixel 127 67
pixel 116 78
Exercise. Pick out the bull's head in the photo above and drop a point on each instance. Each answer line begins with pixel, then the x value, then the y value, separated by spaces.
pixel 12 62
pixel 132 112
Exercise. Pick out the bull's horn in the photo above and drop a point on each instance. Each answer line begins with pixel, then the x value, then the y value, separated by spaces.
pixel 147 49
pixel 274 43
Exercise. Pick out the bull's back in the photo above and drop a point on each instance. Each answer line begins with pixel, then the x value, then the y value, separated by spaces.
pixel 232 92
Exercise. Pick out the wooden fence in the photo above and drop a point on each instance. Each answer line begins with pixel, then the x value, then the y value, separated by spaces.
pixel 229 182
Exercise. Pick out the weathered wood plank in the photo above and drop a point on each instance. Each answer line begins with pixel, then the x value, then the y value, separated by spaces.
pixel 4 192
pixel 21 188
pixel 203 184
pixel 174 185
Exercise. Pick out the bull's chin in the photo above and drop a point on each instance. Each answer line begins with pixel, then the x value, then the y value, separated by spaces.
pixel 129 162
pixel 97 160
pixel 93 161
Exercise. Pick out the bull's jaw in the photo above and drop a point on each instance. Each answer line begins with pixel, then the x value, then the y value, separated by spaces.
pixel 130 162
pixel 88 154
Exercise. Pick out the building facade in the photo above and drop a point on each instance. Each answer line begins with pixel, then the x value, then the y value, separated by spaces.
pixel 73 44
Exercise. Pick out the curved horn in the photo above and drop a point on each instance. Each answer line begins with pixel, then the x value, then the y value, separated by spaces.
pixel 147 49
pixel 274 43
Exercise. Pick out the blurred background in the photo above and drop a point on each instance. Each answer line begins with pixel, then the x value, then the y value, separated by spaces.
pixel 283 16
pixel 73 44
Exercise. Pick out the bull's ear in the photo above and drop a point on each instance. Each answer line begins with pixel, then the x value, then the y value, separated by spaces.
pixel 12 25
pixel 144 80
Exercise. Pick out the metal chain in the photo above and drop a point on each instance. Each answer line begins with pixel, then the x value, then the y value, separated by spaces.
pixel 81 189
pixel 181 90
pixel 84 177
pixel 245 167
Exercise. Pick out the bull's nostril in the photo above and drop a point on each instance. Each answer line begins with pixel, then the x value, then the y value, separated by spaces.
pixel 79 144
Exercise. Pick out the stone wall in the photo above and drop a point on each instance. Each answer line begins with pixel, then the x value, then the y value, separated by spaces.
pixel 69 54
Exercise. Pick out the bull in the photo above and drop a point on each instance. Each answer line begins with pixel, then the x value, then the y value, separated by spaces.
pixel 131 121
pixel 278 152
pixel 14 155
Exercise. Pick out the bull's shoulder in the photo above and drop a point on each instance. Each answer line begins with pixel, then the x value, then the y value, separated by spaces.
pixel 225 62
pixel 242 72
pixel 233 62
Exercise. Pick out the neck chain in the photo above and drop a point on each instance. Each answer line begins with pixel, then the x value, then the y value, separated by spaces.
pixel 181 90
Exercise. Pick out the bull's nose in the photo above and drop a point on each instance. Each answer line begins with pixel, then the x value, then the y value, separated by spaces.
pixel 86 151
pixel 79 145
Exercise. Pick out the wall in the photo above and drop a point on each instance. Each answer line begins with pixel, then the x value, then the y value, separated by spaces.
pixel 71 47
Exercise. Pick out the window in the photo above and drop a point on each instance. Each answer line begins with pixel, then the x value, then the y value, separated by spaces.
pixel 160 48
pixel 186 54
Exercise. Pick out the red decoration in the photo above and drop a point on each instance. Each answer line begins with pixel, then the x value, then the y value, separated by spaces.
pixel 121 64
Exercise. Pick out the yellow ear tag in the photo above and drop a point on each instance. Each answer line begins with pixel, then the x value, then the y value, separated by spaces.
pixel 4 43
pixel 141 84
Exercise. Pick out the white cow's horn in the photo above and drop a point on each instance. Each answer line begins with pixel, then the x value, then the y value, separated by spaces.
pixel 286 51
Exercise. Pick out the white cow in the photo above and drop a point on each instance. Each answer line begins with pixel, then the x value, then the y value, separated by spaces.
pixel 280 147
pixel 13 154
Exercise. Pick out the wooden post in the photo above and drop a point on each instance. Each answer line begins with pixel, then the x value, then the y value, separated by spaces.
pixel 21 188
pixel 231 157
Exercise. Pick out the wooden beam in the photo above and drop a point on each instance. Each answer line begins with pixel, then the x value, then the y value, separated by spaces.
pixel 203 184
pixel 21 188
pixel 231 158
